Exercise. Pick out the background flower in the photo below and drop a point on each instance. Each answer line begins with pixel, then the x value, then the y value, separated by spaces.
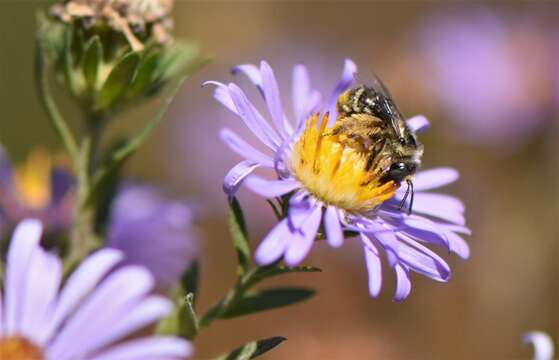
pixel 542 343
pixel 35 188
pixel 42 321
pixel 153 230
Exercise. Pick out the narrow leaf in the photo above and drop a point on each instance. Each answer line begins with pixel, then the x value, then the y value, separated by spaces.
pixel 182 322
pixel 68 64
pixel 145 75
pixel 189 280
pixel 45 96
pixel 268 299
pixel 237 228
pixel 253 349
pixel 120 156
pixel 118 81
pixel 265 272
pixel 92 61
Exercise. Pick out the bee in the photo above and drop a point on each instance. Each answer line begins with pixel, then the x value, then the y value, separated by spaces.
pixel 369 121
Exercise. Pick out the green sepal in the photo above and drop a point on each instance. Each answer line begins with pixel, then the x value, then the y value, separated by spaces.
pixel 144 78
pixel 268 299
pixel 92 60
pixel 189 280
pixel 238 230
pixel 253 349
pixel 118 81
pixel 182 322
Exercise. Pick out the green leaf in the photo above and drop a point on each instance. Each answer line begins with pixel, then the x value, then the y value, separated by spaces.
pixel 145 75
pixel 253 349
pixel 92 61
pixel 237 228
pixel 68 62
pixel 120 156
pixel 182 322
pixel 118 81
pixel 265 272
pixel 44 93
pixel 268 299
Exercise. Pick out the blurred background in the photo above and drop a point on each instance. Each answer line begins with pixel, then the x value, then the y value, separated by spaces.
pixel 486 75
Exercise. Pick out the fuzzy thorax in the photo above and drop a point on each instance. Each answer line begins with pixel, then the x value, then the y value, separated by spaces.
pixel 334 173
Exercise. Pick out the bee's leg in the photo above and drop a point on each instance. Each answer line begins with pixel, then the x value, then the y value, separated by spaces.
pixel 375 151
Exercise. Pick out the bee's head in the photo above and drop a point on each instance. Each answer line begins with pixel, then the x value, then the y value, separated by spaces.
pixel 400 170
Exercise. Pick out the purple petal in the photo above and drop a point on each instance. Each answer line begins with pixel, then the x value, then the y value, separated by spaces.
pixel 272 97
pixel 25 241
pixel 422 229
pixel 253 119
pixel 334 233
pixel 252 72
pixel 111 298
pixel 44 276
pixel 271 188
pixel 403 283
pixel 348 75
pixel 442 206
pixel 132 318
pixel 374 266
pixel 418 123
pixel 434 178
pixel 387 239
pixel 221 94
pixel 156 347
pixel 80 284
pixel 299 246
pixel 422 260
pixel 300 207
pixel 244 149
pixel 301 89
pixel 542 343
pixel 274 244
pixel 236 175
pixel 458 245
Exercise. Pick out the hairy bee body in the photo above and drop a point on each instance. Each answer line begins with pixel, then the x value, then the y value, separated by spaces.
pixel 369 121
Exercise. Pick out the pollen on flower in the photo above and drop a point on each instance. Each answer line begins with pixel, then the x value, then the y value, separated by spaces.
pixel 15 347
pixel 334 173
pixel 32 180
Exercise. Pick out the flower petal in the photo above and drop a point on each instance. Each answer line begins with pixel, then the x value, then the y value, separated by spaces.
pixel 244 149
pixel 272 97
pixel 80 284
pixel 44 276
pixel 271 188
pixel 374 266
pixel 252 72
pixel 253 119
pixel 442 206
pixel 25 241
pixel 424 230
pixel 120 290
pixel 300 245
pixel 418 123
pixel 403 283
pixel 333 228
pixel 300 91
pixel 458 245
pixel 234 178
pixel 434 178
pixel 274 244
pixel 422 260
pixel 348 75
pixel 221 94
pixel 543 345
pixel 156 347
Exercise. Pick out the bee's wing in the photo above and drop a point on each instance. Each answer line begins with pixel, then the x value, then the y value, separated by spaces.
pixel 395 114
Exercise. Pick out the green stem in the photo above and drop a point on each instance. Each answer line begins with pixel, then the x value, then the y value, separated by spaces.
pixel 82 237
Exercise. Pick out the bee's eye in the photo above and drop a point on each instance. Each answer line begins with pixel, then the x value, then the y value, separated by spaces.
pixel 398 171
pixel 402 140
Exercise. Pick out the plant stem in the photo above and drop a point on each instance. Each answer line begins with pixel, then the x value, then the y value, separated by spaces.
pixel 82 237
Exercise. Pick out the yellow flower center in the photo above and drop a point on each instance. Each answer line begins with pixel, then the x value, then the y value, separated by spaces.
pixel 15 347
pixel 32 180
pixel 336 174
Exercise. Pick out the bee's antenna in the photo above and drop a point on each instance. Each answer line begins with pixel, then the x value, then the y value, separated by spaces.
pixel 410 186
pixel 409 191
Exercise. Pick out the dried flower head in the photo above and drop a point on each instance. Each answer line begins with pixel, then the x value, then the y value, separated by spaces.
pixel 133 18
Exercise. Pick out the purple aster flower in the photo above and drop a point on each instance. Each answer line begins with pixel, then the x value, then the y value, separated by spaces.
pixel 92 315
pixel 153 231
pixel 482 77
pixel 35 189
pixel 324 183
pixel 543 346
